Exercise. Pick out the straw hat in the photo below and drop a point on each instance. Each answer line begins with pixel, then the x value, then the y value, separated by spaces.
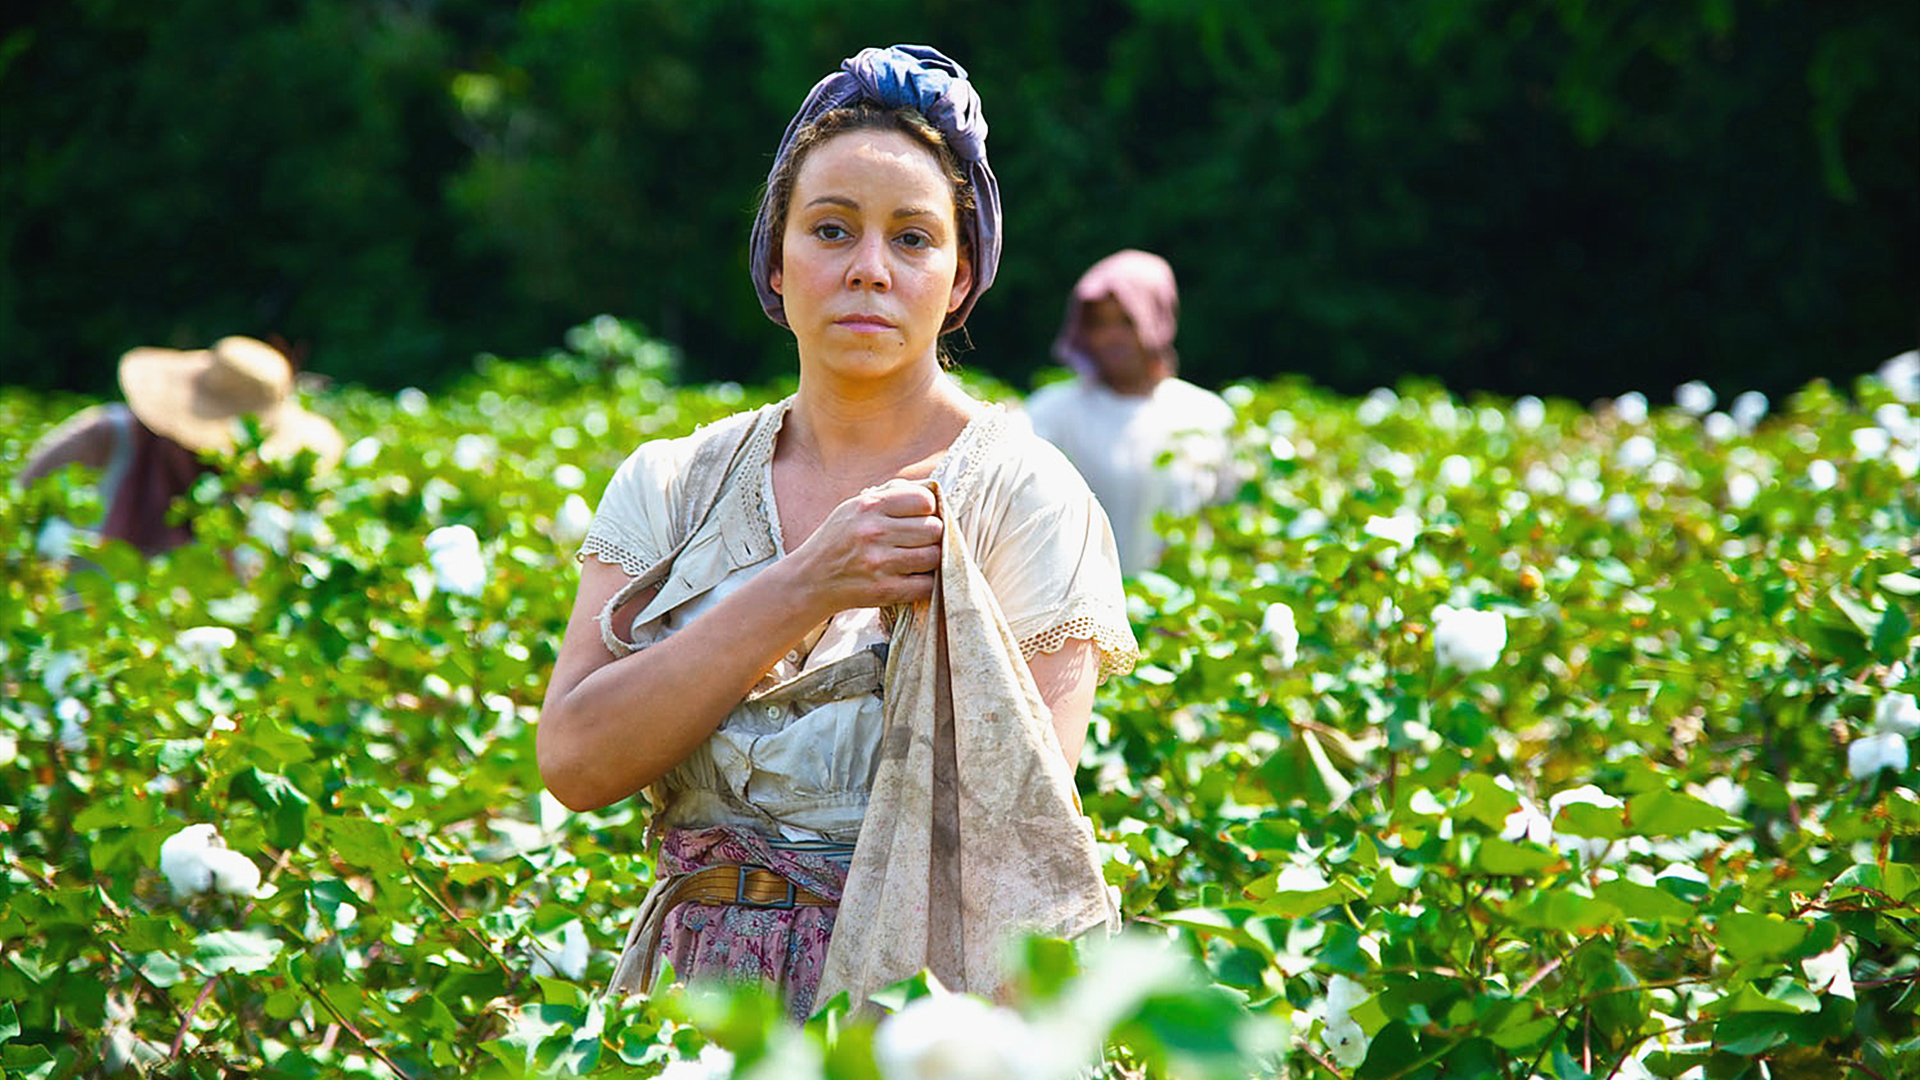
pixel 194 397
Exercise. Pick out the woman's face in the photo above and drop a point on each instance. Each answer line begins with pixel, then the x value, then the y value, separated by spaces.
pixel 871 262
pixel 1123 362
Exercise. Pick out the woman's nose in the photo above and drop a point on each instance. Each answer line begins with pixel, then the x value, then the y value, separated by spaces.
pixel 868 268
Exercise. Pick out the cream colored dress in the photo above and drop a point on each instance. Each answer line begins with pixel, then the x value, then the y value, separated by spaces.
pixel 796 761
pixel 1141 454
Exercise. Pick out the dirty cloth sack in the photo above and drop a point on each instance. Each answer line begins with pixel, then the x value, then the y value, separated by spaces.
pixel 973 829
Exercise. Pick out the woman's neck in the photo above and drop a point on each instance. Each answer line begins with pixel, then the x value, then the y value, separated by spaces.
pixel 849 426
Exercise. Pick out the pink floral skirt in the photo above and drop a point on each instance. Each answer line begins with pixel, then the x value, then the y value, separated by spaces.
pixel 782 947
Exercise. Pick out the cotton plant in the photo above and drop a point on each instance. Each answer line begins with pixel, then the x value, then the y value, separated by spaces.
pixel 571 521
pixel 1896 719
pixel 1694 398
pixel 1278 627
pixel 1468 641
pixel 1345 1040
pixel 453 551
pixel 945 1036
pixel 196 861
pixel 205 647
pixel 562 955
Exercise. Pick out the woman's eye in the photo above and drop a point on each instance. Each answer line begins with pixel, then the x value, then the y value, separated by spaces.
pixel 829 231
pixel 915 239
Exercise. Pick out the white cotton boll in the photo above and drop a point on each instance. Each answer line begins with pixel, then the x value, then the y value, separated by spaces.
pixel 1529 412
pixel 1694 397
pixel 1301 877
pixel 362 453
pixel 412 401
pixel 569 476
pixel 1830 972
pixel 9 749
pixel 1400 529
pixel 1527 823
pixel 1742 489
pixel 1456 471
pixel 1822 475
pixel 57 673
pixel 232 873
pixel 55 542
pixel 73 716
pixel 1309 522
pixel 183 859
pixel 1621 509
pixel 1281 448
pixel 1722 792
pixel 1664 473
pixel 1905 460
pixel 1637 453
pixel 1748 409
pixel 1542 480
pixel 565 958
pixel 1377 407
pixel 1901 375
pixel 571 523
pixel 1468 641
pixel 1898 420
pixel 1585 491
pixel 1278 627
pixel 454 552
pixel 1590 848
pixel 1346 1042
pixel 205 645
pixel 1897 713
pixel 271 524
pixel 1631 407
pixel 956 1037
pixel 1683 872
pixel 712 1064
pixel 472 452
pixel 1867 755
pixel 1720 427
pixel 1870 443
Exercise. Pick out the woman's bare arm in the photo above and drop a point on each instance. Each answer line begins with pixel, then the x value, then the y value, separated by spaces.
pixel 610 727
pixel 86 438
pixel 1067 680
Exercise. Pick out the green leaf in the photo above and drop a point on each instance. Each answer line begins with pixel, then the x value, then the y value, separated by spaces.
pixel 235 950
pixel 1505 858
pixel 1899 584
pixel 1644 902
pixel 9 1021
pixel 1392 1050
pixel 1585 819
pixel 1672 813
pixel 1749 937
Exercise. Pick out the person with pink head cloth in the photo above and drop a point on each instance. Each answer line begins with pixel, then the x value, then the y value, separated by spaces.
pixel 1127 409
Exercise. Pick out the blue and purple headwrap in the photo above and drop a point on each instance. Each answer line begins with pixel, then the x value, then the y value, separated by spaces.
pixel 912 77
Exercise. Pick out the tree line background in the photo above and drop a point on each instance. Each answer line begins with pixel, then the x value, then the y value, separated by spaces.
pixel 1549 196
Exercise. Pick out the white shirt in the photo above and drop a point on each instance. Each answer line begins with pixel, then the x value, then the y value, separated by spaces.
pixel 1116 441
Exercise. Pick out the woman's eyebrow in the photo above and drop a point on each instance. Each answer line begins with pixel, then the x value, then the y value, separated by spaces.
pixel 836 200
pixel 913 211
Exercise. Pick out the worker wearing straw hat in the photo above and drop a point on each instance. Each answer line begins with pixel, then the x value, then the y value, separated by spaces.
pixel 179 406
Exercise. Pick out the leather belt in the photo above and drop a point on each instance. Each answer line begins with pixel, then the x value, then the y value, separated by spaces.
pixel 730 883
pixel 744 885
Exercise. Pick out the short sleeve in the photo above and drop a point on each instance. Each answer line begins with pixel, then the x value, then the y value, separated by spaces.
pixel 1047 551
pixel 632 526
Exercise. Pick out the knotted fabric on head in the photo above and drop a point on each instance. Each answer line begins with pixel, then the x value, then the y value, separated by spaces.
pixel 915 77
pixel 1142 283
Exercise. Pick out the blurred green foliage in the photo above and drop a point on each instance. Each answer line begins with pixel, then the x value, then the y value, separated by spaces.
pixel 1559 197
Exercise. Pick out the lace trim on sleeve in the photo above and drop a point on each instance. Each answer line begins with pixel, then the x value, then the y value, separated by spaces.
pixel 612 552
pixel 1109 633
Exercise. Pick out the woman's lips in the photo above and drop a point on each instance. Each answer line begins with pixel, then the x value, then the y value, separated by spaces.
pixel 864 324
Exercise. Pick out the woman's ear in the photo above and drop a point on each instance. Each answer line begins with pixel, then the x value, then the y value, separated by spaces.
pixel 962 281
pixel 773 280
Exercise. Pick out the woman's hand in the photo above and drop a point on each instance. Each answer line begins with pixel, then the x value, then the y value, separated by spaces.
pixel 878 548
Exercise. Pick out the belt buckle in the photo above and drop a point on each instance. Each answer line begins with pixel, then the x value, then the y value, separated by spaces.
pixel 740 892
